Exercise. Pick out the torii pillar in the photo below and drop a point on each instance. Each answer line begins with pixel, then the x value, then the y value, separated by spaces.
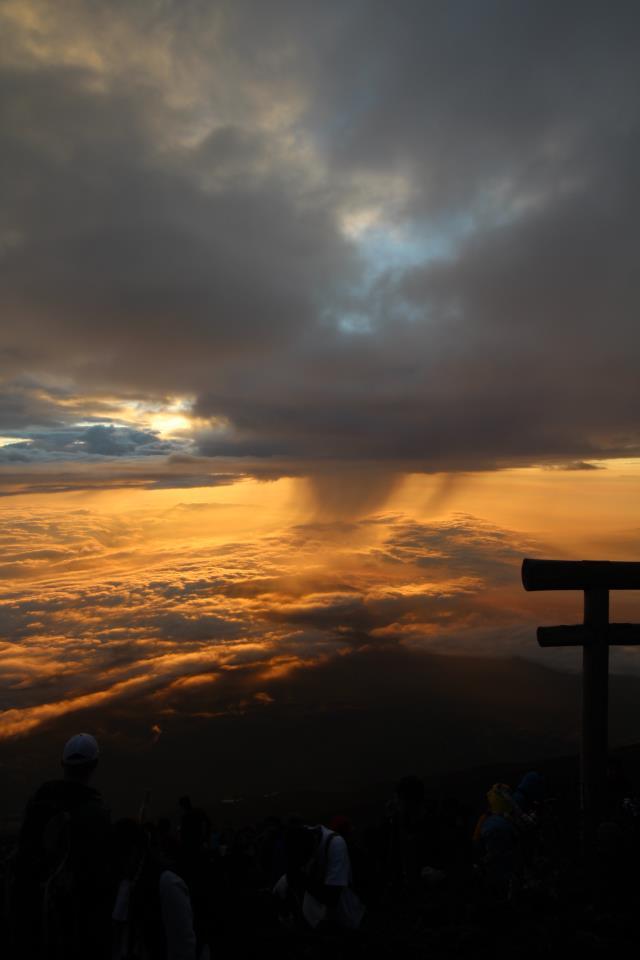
pixel 595 636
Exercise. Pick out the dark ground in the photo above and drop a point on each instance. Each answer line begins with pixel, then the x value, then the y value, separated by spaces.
pixel 348 728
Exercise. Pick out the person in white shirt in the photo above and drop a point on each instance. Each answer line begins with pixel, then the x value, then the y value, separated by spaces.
pixel 152 911
pixel 318 879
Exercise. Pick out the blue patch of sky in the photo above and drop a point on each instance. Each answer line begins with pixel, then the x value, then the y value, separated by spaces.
pixel 387 251
pixel 354 321
pixel 96 422
pixel 411 244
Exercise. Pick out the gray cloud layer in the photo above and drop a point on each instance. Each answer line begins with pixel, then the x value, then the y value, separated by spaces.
pixel 349 230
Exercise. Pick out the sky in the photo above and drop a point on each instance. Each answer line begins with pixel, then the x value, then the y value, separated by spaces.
pixel 316 318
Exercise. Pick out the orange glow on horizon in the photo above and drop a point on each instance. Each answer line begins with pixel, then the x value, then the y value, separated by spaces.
pixel 148 594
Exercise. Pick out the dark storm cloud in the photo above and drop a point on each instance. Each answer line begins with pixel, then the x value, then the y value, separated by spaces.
pixel 26 468
pixel 352 231
pixel 478 96
pixel 140 270
pixel 578 465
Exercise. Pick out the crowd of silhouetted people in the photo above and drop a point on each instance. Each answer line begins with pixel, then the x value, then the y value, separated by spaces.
pixel 425 876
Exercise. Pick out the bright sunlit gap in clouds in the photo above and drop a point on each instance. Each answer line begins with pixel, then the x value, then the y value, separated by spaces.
pixel 168 418
pixel 6 441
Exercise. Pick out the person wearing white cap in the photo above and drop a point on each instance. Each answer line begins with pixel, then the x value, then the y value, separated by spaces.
pixel 64 850
pixel 80 756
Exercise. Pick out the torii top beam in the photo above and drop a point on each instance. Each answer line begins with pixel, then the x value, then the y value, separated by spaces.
pixel 586 575
pixel 580 575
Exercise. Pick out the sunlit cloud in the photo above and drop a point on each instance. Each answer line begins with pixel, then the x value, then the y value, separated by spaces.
pixel 6 441
pixel 259 607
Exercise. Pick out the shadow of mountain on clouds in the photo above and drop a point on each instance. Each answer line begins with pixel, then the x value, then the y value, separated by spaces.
pixel 355 719
pixel 307 658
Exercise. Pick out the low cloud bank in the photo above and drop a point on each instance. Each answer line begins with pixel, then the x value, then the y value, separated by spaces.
pixel 74 637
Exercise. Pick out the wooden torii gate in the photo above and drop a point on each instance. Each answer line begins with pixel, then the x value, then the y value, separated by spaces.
pixel 595 635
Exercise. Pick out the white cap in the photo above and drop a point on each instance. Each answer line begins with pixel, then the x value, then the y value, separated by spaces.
pixel 83 748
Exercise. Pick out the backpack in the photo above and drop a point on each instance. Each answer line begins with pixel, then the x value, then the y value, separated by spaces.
pixel 60 931
pixel 58 908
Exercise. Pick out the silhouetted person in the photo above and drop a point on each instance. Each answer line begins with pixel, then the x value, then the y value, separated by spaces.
pixel 529 792
pixel 167 841
pixel 497 843
pixel 618 788
pixel 407 826
pixel 272 851
pixel 364 877
pixel 317 884
pixel 61 896
pixel 194 830
pixel 152 912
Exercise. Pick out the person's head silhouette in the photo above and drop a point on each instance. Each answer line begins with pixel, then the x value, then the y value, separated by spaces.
pixel 80 757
